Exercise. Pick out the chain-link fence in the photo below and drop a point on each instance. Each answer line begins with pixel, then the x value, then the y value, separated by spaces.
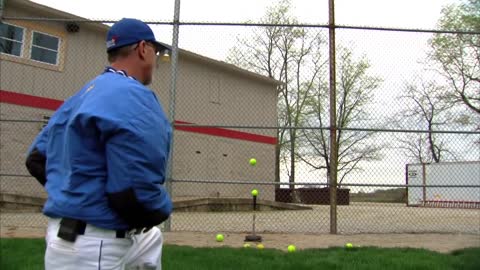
pixel 406 121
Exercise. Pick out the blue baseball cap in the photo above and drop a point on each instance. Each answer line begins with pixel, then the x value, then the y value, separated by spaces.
pixel 129 31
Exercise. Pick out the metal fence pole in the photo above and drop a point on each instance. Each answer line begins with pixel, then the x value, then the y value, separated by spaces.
pixel 333 120
pixel 173 88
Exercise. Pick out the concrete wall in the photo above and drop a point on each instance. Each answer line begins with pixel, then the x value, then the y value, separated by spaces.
pixel 15 139
pixel 211 95
pixel 204 157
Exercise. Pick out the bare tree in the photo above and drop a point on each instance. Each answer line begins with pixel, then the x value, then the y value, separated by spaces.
pixel 290 55
pixel 298 58
pixel 355 91
pixel 428 110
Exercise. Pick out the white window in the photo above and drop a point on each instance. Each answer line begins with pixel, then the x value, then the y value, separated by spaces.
pixel 45 48
pixel 11 39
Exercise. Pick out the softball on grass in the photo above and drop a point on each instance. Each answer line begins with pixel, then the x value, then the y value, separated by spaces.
pixel 246 245
pixel 253 161
pixel 260 246
pixel 291 248
pixel 219 237
pixel 254 192
pixel 348 245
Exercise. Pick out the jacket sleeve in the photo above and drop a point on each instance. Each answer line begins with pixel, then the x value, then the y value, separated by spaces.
pixel 36 157
pixel 136 155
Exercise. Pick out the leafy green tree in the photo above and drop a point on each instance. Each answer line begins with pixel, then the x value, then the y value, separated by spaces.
pixel 458 53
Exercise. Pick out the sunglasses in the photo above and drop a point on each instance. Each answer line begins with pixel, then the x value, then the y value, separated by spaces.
pixel 157 52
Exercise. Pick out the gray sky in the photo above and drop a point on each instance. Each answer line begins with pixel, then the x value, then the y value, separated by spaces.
pixel 385 13
pixel 392 13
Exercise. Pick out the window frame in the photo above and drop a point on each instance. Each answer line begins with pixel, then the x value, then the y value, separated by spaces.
pixel 33 31
pixel 22 47
pixel 50 30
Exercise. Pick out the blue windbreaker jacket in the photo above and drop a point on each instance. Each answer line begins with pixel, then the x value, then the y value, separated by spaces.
pixel 109 137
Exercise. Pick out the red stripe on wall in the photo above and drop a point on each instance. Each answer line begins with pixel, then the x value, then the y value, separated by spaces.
pixel 52 104
pixel 227 133
pixel 29 101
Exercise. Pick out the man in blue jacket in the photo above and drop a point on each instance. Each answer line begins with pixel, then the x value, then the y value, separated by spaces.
pixel 102 159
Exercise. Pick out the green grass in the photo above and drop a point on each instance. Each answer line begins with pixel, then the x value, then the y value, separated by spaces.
pixel 21 253
pixel 28 254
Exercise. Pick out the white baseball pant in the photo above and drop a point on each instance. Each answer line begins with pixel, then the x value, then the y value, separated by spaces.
pixel 99 249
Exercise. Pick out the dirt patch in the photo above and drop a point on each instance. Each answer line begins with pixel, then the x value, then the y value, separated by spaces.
pixel 436 242
pixel 17 232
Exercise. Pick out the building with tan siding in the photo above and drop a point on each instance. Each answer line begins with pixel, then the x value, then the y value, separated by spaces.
pixel 43 62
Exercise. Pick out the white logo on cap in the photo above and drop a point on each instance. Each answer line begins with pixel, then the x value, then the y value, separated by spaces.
pixel 111 42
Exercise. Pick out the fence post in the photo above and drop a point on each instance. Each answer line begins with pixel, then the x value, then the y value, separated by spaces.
pixel 171 114
pixel 1 9
pixel 424 182
pixel 333 120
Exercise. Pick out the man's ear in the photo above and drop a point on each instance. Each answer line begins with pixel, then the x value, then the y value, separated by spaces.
pixel 142 50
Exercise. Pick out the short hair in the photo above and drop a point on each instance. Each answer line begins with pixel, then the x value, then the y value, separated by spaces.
pixel 121 52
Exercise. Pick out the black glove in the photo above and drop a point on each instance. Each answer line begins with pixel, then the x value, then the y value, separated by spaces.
pixel 36 163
